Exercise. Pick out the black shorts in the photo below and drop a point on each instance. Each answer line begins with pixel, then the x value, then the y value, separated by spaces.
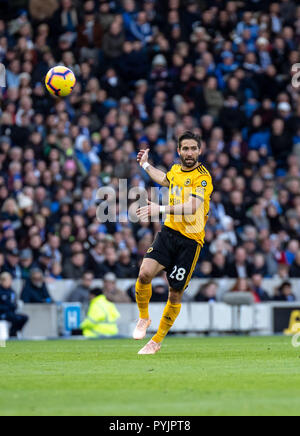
pixel 178 254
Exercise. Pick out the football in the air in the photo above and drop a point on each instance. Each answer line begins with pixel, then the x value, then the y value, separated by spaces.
pixel 60 81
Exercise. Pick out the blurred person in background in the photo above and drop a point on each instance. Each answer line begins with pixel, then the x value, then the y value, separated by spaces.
pixel 259 265
pixel 81 293
pixel 295 267
pixel 160 290
pixel 283 271
pixel 55 273
pixel 219 265
pixel 35 289
pixel 1 262
pixel 8 306
pixel 111 263
pixel 203 270
pixel 248 140
pixel 207 293
pixel 261 294
pixel 239 267
pixel 75 267
pixel 241 285
pixel 111 292
pixel 285 292
pixel 96 258
pixel 101 318
pixel 26 262
pixel 12 263
pixel 127 265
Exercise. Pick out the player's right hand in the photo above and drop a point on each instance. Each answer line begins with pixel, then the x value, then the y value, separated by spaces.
pixel 143 156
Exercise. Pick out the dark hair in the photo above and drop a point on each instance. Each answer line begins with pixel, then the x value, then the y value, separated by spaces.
pixel 96 292
pixel 284 284
pixel 190 135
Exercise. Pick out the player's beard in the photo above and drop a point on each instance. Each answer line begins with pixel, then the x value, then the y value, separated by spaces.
pixel 188 163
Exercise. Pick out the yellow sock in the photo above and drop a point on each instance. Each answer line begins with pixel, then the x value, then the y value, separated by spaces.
pixel 143 294
pixel 170 314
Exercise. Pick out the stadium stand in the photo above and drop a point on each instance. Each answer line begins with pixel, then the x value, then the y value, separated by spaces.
pixel 146 71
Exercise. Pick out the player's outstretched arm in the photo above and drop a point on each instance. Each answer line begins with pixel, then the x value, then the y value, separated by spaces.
pixel 153 210
pixel 156 175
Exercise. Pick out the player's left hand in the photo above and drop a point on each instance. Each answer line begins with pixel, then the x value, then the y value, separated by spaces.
pixel 152 210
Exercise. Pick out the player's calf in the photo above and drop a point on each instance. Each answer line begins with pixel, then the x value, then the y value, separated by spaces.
pixel 169 317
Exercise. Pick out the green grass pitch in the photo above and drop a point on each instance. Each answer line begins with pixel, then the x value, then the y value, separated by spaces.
pixel 190 376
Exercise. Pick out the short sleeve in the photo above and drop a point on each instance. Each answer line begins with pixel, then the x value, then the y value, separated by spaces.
pixel 170 174
pixel 202 187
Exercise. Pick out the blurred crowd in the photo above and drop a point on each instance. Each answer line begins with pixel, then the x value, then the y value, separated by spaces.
pixel 147 71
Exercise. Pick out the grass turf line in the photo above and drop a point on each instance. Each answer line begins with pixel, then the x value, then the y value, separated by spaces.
pixel 190 376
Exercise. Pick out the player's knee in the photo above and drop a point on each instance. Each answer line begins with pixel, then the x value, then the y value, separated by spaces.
pixel 145 276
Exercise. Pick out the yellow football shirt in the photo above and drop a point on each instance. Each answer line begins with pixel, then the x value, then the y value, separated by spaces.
pixel 183 184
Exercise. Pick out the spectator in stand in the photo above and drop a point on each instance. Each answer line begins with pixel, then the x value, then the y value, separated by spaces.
pixel 285 293
pixel 241 285
pixel 295 268
pixel 283 271
pixel 135 62
pixel 240 267
pixel 40 11
pixel 260 294
pixel 81 294
pixel 259 265
pixel 106 17
pixel 204 270
pixel 26 262
pixel 10 212
pixel 213 98
pixel 110 263
pixel 2 260
pixel 55 273
pixel 89 38
pixel 127 265
pixel 207 293
pixel 111 291
pixel 236 208
pixel 253 288
pixel 74 268
pixel 45 262
pixel 113 41
pixel 140 29
pixel 269 255
pixel 35 289
pixel 160 290
pixel 8 306
pixel 65 19
pixel 12 263
pixel 280 142
pixel 96 259
pixel 219 265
